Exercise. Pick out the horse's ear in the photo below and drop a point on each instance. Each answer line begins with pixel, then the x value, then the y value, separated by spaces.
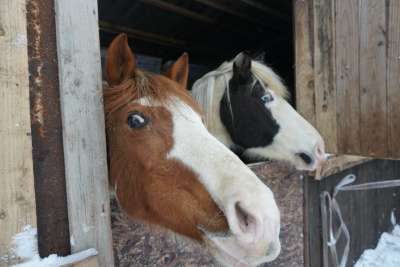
pixel 242 65
pixel 259 56
pixel 120 62
pixel 179 71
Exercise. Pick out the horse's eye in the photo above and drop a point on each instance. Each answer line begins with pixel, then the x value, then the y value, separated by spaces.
pixel 137 120
pixel 267 98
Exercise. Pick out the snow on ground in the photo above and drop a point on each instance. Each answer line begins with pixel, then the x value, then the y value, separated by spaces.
pixel 386 253
pixel 25 248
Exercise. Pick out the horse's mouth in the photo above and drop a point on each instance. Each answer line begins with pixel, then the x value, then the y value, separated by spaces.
pixel 232 260
pixel 224 257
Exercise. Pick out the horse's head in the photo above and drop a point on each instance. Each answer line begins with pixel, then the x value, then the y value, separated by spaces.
pixel 249 112
pixel 169 171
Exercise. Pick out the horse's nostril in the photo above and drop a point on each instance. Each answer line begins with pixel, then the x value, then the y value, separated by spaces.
pixel 305 157
pixel 242 216
pixel 245 221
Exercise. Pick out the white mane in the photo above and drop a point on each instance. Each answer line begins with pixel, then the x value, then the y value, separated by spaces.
pixel 216 81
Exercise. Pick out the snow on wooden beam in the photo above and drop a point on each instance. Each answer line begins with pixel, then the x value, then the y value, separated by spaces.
pixel 83 127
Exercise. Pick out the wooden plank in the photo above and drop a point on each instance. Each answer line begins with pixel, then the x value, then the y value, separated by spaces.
pixel 86 258
pixel 373 98
pixel 306 228
pixel 17 194
pixel 337 164
pixel 242 9
pixel 156 39
pixel 313 242
pixel 393 78
pixel 363 211
pixel 83 127
pixel 179 10
pixel 348 81
pixel 305 89
pixel 325 72
pixel 92 261
pixel 48 152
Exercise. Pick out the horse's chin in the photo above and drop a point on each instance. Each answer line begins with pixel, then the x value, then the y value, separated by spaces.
pixel 225 258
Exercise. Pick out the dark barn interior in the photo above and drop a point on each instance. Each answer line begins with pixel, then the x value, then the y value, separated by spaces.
pixel 210 31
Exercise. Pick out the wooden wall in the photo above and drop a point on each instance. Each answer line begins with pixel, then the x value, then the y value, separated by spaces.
pixel 78 56
pixel 348 73
pixel 367 213
pixel 17 196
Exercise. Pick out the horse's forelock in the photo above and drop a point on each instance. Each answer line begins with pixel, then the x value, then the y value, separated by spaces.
pixel 267 76
pixel 155 88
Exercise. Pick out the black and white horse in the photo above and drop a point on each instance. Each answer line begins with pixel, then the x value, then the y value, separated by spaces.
pixel 245 108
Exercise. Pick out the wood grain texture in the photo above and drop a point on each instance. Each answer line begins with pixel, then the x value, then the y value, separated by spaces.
pixel 355 82
pixel 393 78
pixel 363 211
pixel 83 127
pixel 373 98
pixel 17 195
pixel 92 261
pixel 305 89
pixel 338 164
pixel 325 72
pixel 348 80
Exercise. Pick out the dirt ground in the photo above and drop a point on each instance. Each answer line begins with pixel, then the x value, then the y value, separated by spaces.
pixel 135 244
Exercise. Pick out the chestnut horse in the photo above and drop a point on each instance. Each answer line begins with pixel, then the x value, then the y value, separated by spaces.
pixel 245 108
pixel 168 170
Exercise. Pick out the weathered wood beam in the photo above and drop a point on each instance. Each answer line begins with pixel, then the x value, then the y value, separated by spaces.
pixel 158 39
pixel 82 116
pixel 17 193
pixel 48 153
pixel 241 9
pixel 179 10
pixel 269 10
pixel 151 37
pixel 207 20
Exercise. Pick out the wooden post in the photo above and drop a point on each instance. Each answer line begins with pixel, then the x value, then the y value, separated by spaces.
pixel 393 77
pixel 17 194
pixel 325 72
pixel 304 46
pixel 83 127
